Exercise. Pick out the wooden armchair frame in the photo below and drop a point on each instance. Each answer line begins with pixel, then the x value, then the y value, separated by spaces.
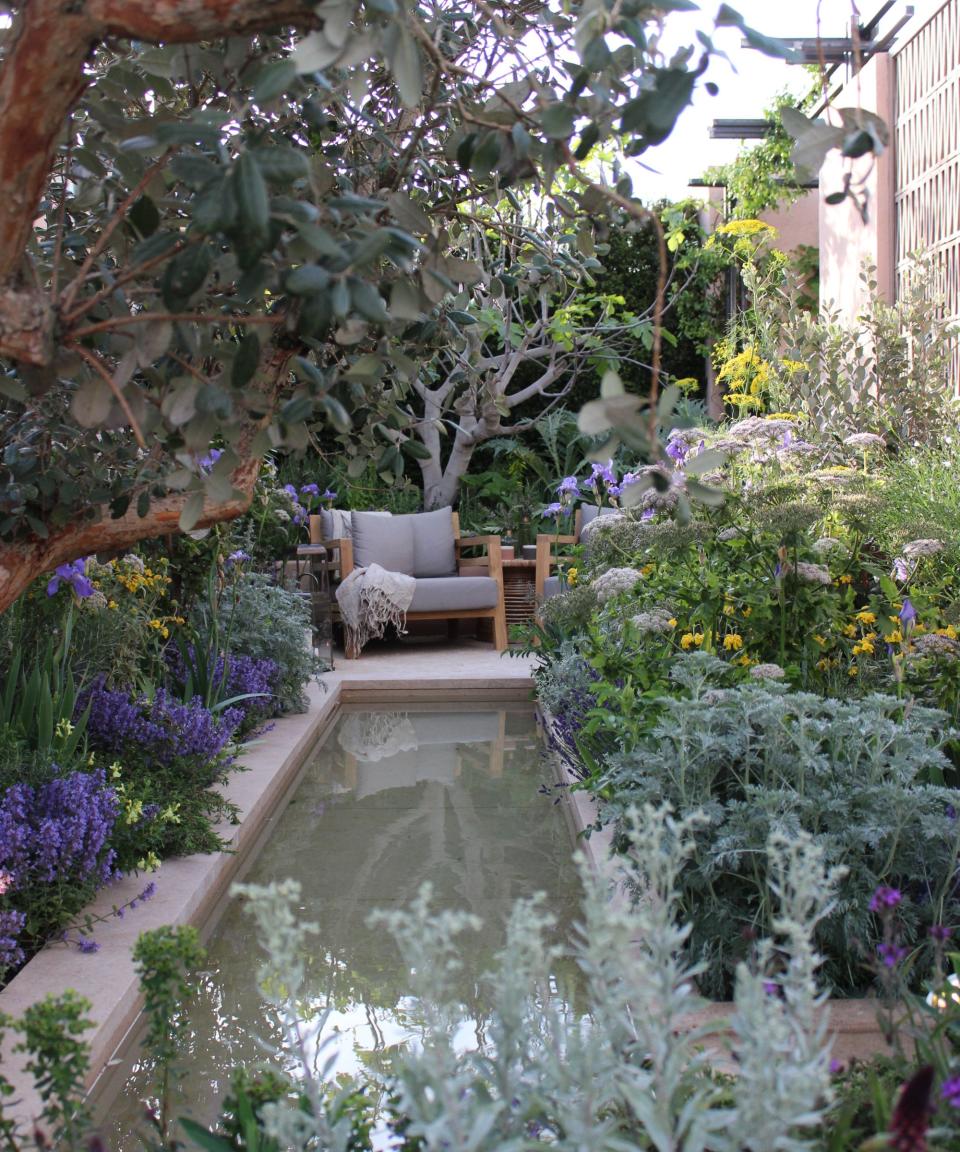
pixel 489 565
pixel 546 558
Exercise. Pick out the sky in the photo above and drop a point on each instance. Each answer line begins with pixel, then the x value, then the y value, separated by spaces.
pixel 745 93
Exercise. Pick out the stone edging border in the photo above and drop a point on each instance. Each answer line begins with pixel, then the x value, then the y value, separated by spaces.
pixel 190 888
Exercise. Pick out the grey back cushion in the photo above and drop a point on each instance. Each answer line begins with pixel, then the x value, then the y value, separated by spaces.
pixel 335 523
pixel 383 540
pixel 589 513
pixel 434 550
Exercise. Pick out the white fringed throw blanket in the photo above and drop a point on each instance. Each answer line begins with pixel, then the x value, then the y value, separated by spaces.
pixel 371 598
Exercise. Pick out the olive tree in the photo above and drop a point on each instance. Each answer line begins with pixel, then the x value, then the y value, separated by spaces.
pixel 224 218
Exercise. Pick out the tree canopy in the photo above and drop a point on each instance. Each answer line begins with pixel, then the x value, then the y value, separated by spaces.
pixel 225 219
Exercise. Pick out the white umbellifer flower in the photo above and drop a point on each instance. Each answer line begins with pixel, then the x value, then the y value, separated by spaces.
pixel 826 545
pixel 917 548
pixel 656 620
pixel 865 440
pixel 814 573
pixel 767 672
pixel 614 581
pixel 729 534
pixel 282 515
pixel 96 599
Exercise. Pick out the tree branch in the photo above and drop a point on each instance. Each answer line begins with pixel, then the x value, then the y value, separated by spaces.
pixel 43 75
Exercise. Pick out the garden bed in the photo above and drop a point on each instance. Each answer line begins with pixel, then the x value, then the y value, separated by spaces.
pixel 188 889
pixel 854 1024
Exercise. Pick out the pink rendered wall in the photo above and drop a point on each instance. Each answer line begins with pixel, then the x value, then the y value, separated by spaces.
pixel 846 242
pixel 796 223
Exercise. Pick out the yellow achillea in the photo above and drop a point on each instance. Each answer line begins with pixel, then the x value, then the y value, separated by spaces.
pixel 746 228
pixel 866 617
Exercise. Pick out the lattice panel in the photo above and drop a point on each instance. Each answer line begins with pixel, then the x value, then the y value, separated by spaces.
pixel 927 143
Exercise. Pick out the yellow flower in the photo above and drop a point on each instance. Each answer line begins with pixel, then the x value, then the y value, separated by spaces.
pixel 895 637
pixel 866 617
pixel 852 670
pixel 821 640
pixel 63 730
pixel 865 646
pixel 149 863
pixel 647 569
pixel 919 629
pixel 115 770
pixel 846 578
pixel 689 639
pixel 732 642
pixel 170 814
pixel 744 660
pixel 134 811
pixel 850 630
pixel 112 604
pixel 747 612
pixel 823 665
pixel 728 609
pixel 672 622
pixel 572 576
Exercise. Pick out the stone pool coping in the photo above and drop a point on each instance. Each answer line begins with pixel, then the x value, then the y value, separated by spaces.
pixel 854 1025
pixel 188 889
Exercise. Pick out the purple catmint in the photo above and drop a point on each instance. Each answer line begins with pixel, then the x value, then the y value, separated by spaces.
pixel 58 830
pixel 162 729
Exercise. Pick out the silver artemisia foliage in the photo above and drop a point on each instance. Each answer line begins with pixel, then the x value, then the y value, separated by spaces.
pixel 628 1071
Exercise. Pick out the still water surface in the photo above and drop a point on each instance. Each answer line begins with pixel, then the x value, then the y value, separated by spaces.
pixel 390 800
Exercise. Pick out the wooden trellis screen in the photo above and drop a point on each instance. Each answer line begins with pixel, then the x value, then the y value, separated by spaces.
pixel 927 142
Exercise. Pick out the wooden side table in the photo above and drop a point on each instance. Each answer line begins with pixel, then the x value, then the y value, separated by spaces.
pixel 519 590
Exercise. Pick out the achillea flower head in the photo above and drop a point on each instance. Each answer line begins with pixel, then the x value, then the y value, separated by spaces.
pixel 864 440
pixel 916 548
pixel 656 620
pixel 813 573
pixel 933 644
pixel 614 581
pixel 767 672
pixel 825 545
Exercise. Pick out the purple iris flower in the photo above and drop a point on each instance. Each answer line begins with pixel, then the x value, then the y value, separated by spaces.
pixel 553 509
pixel 291 492
pixel 310 490
pixel 73 574
pixel 329 494
pixel 907 613
pixel 648 514
pixel 614 490
pixel 207 462
pixel 238 557
pixel 569 486
pixel 677 449
pixel 603 472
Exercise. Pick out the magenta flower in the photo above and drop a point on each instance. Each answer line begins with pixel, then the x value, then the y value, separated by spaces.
pixel 891 954
pixel 950 1091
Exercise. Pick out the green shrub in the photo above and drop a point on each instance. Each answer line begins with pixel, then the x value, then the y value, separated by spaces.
pixel 856 775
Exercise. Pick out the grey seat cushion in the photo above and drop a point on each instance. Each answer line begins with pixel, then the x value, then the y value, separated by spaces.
pixel 454 594
pixel 434 550
pixel 383 540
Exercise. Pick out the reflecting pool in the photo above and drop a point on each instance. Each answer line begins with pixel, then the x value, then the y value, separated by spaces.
pixel 391 800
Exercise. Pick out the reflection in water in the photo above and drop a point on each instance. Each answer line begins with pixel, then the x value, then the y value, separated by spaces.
pixel 391 800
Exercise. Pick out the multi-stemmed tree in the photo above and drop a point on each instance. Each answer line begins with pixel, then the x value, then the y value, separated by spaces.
pixel 225 218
